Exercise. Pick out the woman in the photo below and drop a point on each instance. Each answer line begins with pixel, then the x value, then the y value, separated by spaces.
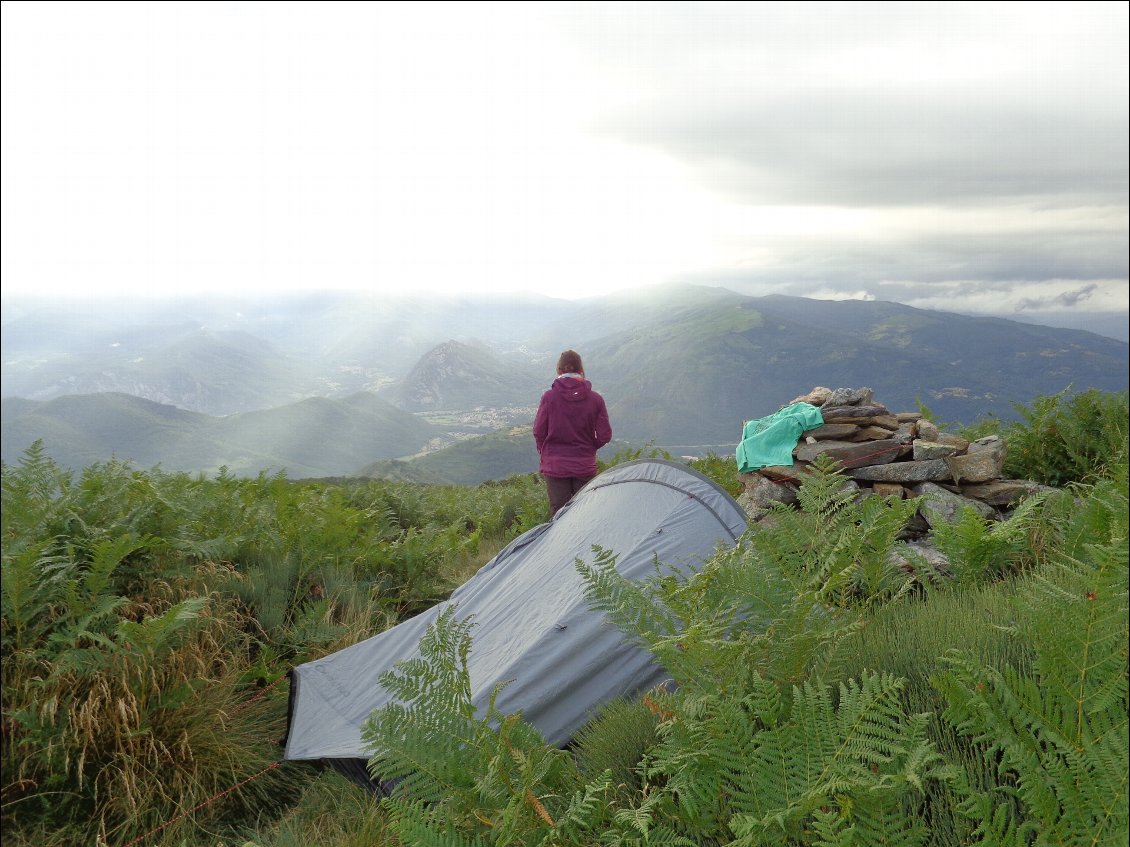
pixel 570 426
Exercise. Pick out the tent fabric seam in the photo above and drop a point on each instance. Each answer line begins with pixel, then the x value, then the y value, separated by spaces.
pixel 705 505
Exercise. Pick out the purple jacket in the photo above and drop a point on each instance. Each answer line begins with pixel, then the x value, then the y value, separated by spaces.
pixel 570 426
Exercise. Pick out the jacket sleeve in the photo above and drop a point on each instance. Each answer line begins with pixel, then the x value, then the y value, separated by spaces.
pixel 603 427
pixel 541 424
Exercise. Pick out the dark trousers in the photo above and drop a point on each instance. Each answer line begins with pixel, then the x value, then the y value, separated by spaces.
pixel 561 488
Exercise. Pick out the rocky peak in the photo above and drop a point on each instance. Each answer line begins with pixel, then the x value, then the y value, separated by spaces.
pixel 465 375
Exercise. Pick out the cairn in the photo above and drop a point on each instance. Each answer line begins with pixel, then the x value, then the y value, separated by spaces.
pixel 893 454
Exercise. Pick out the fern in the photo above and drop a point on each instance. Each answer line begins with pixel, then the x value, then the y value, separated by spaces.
pixel 979 549
pixel 841 546
pixel 410 823
pixel 421 740
pixel 25 598
pixel 614 743
pixel 127 651
pixel 1062 439
pixel 158 634
pixel 31 493
pixel 106 555
pixel 451 769
pixel 737 759
pixel 762 767
pixel 1098 512
pixel 1061 731
pixel 715 628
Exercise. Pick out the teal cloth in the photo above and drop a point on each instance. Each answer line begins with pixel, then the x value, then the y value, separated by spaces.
pixel 770 441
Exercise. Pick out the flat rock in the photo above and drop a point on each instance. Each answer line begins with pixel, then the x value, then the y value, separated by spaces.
pixel 1003 492
pixel 920 557
pixel 832 432
pixel 952 440
pixel 852 454
pixel 818 396
pixel 778 471
pixel 851 397
pixel 889 489
pixel 940 505
pixel 927 430
pixel 885 421
pixel 924 450
pixel 760 493
pixel 840 414
pixel 903 472
pixel 876 431
pixel 975 467
pixel 990 444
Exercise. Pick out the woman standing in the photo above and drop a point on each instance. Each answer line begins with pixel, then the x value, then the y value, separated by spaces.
pixel 570 426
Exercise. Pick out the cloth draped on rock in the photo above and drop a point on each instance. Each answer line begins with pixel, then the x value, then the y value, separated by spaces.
pixel 770 440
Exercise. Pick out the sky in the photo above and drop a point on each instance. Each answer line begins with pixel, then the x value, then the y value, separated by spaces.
pixel 959 156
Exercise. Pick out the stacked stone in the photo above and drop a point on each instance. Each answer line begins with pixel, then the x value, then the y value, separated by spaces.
pixel 899 454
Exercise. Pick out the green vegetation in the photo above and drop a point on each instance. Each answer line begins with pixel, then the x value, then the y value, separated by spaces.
pixel 1063 437
pixel 824 696
pixel 149 617
pixel 493 456
pixel 721 469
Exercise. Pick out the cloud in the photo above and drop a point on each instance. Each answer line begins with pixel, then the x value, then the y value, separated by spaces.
pixel 867 105
pixel 818 148
pixel 1065 299
pixel 908 151
pixel 909 263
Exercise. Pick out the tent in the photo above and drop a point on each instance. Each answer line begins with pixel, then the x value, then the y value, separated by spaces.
pixel 533 628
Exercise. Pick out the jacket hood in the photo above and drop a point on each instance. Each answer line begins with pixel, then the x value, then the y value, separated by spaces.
pixel 571 388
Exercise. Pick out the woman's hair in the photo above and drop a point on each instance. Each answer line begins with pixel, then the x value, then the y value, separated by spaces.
pixel 569 362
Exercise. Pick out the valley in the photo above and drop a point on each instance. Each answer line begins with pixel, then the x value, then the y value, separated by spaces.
pixel 334 385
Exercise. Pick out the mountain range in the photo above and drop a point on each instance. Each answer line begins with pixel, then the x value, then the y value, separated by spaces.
pixel 315 437
pixel 336 384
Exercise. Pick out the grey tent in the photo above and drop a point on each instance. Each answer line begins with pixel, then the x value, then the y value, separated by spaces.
pixel 533 628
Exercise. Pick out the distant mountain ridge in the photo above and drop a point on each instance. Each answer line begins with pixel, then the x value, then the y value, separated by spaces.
pixel 315 437
pixel 459 375
pixel 742 359
pixel 327 384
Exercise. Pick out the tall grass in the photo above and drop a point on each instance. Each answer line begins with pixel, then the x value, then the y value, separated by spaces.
pixel 149 618
pixel 332 812
pixel 909 639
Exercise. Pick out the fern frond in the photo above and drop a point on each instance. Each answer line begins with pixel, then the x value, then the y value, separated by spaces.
pixel 25 596
pixel 841 548
pixel 105 556
pixel 155 635
pixel 94 625
pixel 29 496
pixel 763 766
pixel 477 770
pixel 1061 731
pixel 420 740
pixel 627 603
pixel 413 823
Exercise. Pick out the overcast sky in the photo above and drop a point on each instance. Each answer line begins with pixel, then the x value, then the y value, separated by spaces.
pixel 967 157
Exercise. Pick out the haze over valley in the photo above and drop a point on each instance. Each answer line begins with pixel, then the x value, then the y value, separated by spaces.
pixel 336 384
